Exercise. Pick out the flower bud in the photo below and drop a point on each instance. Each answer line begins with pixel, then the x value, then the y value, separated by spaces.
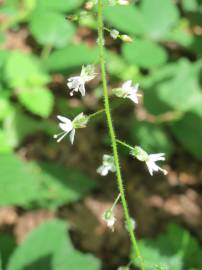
pixel 126 38
pixel 114 33
pixel 139 153
pixel 80 121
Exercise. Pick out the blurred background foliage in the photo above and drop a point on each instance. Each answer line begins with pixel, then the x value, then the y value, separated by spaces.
pixel 39 49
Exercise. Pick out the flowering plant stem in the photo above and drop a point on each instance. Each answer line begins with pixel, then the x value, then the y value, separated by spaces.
pixel 113 136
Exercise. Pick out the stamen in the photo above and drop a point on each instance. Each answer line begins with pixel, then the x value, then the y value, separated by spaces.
pixel 62 137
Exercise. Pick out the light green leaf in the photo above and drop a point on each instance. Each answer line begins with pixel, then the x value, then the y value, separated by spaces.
pixel 127 19
pixel 5 107
pixel 18 126
pixel 4 145
pixel 70 57
pixel 38 100
pixel 60 6
pixel 52 250
pixel 182 92
pixel 24 70
pixel 145 54
pixel 44 184
pixel 50 28
pixel 158 24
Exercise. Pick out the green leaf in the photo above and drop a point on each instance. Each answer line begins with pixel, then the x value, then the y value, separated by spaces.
pixel 18 126
pixel 5 107
pixel 145 54
pixel 60 6
pixel 52 250
pixel 151 137
pixel 50 28
pixel 176 249
pixel 24 70
pixel 182 92
pixel 38 100
pixel 70 57
pixel 188 131
pixel 127 19
pixel 4 145
pixel 7 246
pixel 43 184
pixel 157 26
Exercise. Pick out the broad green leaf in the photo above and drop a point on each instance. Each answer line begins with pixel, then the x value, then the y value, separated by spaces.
pixel 38 100
pixel 158 25
pixel 70 57
pixel 50 28
pixel 49 247
pixel 188 131
pixel 61 5
pixel 7 246
pixel 175 249
pixel 127 19
pixel 40 184
pixel 18 126
pixel 4 145
pixel 24 70
pixel 151 137
pixel 145 54
pixel 182 92
pixel 5 107
pixel 190 5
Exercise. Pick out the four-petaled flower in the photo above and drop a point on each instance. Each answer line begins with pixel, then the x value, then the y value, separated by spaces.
pixel 128 91
pixel 68 126
pixel 77 83
pixel 149 159
pixel 107 165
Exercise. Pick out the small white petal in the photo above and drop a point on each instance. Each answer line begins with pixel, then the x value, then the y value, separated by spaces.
pixel 66 127
pixel 72 134
pixel 63 119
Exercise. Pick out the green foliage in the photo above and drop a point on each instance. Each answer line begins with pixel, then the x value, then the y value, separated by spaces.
pixel 146 54
pixel 7 246
pixel 49 247
pixel 156 27
pixel 18 126
pixel 188 131
pixel 171 91
pixel 70 57
pixel 41 184
pixel 60 6
pixel 24 71
pixel 174 249
pixel 38 100
pixel 50 28
pixel 151 137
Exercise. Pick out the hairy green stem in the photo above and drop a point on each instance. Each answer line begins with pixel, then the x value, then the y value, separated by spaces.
pixel 113 136
pixel 96 113
pixel 125 144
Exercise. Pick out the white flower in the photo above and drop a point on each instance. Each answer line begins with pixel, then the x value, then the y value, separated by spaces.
pixel 107 165
pixel 118 2
pixel 114 33
pixel 77 83
pixel 68 126
pixel 123 2
pixel 128 91
pixel 109 218
pixel 150 160
pixel 151 163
